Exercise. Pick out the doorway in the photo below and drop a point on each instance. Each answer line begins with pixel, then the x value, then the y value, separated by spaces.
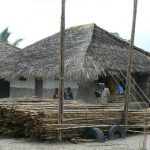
pixel 38 87
pixel 4 88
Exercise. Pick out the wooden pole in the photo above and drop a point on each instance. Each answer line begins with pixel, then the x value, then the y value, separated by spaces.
pixel 62 48
pixel 130 55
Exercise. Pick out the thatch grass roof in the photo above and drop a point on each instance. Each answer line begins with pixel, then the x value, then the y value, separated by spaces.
pixel 6 49
pixel 90 51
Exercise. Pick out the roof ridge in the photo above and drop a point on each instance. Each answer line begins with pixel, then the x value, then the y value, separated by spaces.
pixel 91 38
pixel 83 25
pixel 76 26
pixel 93 25
pixel 122 41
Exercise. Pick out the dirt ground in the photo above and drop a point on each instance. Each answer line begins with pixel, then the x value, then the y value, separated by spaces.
pixel 129 143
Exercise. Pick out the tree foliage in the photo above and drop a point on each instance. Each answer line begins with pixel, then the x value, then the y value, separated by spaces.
pixel 4 36
pixel 118 36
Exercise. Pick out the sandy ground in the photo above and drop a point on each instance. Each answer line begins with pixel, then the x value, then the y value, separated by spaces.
pixel 129 143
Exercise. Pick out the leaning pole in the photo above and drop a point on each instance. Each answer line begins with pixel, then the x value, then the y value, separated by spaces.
pixel 130 55
pixel 62 48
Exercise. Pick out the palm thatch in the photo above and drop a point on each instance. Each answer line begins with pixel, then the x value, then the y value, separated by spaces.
pixel 90 51
pixel 6 49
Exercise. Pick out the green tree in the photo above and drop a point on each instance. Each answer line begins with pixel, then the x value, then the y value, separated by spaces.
pixel 118 36
pixel 4 36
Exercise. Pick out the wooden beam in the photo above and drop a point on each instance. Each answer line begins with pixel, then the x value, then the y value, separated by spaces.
pixel 62 48
pixel 130 55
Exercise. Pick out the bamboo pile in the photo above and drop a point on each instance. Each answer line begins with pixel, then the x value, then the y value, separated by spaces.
pixel 37 118
pixel 116 98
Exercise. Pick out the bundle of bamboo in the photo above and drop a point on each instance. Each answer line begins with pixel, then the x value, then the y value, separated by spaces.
pixel 38 118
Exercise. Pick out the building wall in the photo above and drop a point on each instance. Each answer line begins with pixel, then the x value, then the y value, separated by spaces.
pixel 83 91
pixel 50 85
pixel 86 92
pixel 19 88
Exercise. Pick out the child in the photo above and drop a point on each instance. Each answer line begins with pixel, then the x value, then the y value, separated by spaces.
pixel 55 96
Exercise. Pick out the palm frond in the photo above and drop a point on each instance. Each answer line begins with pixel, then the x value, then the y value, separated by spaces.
pixel 4 35
pixel 16 43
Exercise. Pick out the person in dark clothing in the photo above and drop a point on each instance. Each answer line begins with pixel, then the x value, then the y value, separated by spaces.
pixel 68 94
pixel 98 93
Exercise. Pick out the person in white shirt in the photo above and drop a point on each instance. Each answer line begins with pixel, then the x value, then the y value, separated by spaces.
pixel 105 93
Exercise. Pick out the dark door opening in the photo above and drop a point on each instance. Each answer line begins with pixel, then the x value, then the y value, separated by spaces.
pixel 4 88
pixel 39 87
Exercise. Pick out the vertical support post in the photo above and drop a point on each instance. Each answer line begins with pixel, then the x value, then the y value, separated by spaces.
pixel 62 48
pixel 130 55
pixel 145 130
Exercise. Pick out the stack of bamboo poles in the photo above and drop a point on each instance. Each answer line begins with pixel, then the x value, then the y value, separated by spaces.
pixel 38 118
pixel 117 98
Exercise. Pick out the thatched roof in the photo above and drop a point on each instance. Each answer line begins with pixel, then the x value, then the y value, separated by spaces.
pixel 90 51
pixel 6 49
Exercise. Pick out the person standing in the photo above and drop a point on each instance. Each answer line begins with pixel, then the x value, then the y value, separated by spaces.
pixel 120 89
pixel 105 93
pixel 98 93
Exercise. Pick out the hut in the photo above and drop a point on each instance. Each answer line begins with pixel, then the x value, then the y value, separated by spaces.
pixel 91 55
pixel 5 50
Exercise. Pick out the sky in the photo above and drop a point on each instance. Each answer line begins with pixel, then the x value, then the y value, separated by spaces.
pixel 34 20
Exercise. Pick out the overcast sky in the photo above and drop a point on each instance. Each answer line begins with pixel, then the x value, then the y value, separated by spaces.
pixel 34 20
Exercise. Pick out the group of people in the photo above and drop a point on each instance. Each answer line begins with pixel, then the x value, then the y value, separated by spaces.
pixel 102 93
pixel 68 94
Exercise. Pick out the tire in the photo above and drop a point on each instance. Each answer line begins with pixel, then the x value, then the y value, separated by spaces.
pixel 93 133
pixel 115 132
